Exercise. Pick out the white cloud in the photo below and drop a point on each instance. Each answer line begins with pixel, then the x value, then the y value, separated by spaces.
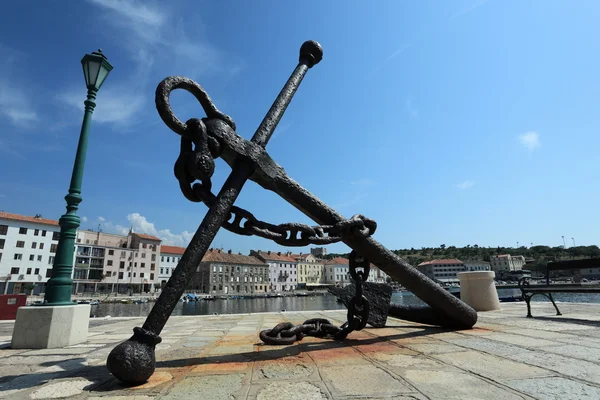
pixel 15 104
pixel 531 140
pixel 84 219
pixel 115 105
pixel 468 9
pixel 466 185
pixel 140 224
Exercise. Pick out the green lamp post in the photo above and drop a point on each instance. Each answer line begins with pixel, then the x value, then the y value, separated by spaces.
pixel 60 286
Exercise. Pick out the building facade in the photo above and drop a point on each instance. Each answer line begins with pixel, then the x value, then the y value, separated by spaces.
pixel 27 249
pixel 336 271
pixel 318 251
pixel 442 271
pixel 310 270
pixel 116 263
pixel 377 275
pixel 506 262
pixel 471 266
pixel 224 273
pixel 169 258
pixel 283 272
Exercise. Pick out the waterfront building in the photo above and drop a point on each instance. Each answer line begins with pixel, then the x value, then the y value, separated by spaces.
pixel 310 270
pixel 223 272
pixel 27 249
pixel 336 271
pixel 169 258
pixel 442 271
pixel 377 275
pixel 283 273
pixel 471 266
pixel 106 261
pixel 506 262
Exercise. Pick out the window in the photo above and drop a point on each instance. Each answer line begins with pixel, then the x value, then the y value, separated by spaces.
pixel 123 254
pixel 168 259
pixel 36 232
pixel 122 264
pixel 20 243
pixel 55 235
pixel 111 252
pixel 43 233
pixel 23 231
pixel 49 273
pixel 120 275
pixel 3 229
pixel 162 271
pixel 41 246
pixel 129 274
pixel 153 257
pixel 109 262
pixel 141 274
pixel 134 274
pixel 152 267
pixel 2 243
pixel 53 248
pixel 51 260
pixel 36 271
pixel 31 257
pixel 39 258
pixel 143 255
pixel 143 265
pixel 33 245
pixel 28 271
pixel 144 245
pixel 151 277
pixel 18 256
pixel 162 259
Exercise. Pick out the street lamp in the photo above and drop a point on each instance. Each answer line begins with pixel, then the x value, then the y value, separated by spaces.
pixel 60 286
pixel 573 239
pixel 564 244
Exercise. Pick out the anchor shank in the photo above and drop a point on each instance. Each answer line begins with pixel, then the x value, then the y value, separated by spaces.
pixel 310 54
pixel 419 284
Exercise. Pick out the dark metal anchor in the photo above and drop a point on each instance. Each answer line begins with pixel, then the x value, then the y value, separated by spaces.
pixel 133 361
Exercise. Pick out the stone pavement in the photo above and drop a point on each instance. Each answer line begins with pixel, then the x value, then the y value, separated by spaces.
pixel 506 356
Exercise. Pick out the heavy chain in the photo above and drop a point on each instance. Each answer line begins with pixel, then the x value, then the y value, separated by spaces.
pixel 196 162
pixel 358 314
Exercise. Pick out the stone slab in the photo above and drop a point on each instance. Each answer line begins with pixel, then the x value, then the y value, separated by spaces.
pixel 362 380
pixel 47 327
pixel 555 388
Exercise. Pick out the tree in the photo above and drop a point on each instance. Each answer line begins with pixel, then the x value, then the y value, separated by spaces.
pixel 29 288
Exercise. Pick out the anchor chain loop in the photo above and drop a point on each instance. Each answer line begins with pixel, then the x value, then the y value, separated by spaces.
pixel 198 150
pixel 286 333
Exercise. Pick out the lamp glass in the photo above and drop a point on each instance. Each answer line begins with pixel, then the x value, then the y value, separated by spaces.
pixel 93 67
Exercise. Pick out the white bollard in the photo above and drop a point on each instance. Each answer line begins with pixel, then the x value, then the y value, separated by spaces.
pixel 478 290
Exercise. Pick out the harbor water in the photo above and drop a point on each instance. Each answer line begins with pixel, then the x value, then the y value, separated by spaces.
pixel 276 304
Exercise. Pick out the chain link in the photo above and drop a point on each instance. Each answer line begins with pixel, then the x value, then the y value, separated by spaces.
pixel 287 333
pixel 196 162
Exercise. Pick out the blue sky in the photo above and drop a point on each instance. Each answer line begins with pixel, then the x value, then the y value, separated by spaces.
pixel 458 122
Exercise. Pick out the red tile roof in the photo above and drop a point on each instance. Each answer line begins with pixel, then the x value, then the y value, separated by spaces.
pixel 338 260
pixel 436 262
pixel 219 256
pixel 25 218
pixel 147 237
pixel 273 256
pixel 171 249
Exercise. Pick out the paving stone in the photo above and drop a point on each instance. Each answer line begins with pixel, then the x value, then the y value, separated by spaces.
pixel 59 351
pixel 213 387
pixel 575 351
pixel 139 397
pixel 278 370
pixel 456 386
pixel 555 388
pixel 434 348
pixel 492 367
pixel 404 361
pixel 217 350
pixel 57 390
pixel 362 380
pixel 520 340
pixel 291 391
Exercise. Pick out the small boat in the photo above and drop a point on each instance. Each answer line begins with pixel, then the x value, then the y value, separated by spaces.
pixel 140 301
pixel 126 301
pixel 94 303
